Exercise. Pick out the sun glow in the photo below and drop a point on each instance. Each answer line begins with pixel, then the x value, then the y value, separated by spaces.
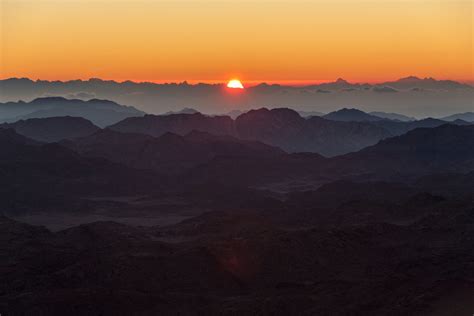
pixel 235 84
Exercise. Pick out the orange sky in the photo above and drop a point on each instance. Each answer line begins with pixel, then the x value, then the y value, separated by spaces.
pixel 255 40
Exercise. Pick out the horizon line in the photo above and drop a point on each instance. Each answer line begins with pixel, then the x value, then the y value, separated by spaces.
pixel 247 83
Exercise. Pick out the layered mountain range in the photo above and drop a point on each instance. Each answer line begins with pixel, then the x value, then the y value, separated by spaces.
pixel 202 157
pixel 412 96
pixel 336 133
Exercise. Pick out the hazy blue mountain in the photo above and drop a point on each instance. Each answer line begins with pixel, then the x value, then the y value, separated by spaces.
pixel 399 128
pixel 467 116
pixel 393 116
pixel 99 112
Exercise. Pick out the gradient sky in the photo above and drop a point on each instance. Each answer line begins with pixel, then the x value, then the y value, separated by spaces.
pixel 259 40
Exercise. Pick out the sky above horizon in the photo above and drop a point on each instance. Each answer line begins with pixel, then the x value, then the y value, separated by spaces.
pixel 255 40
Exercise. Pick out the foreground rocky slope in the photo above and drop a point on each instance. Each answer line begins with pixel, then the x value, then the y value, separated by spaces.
pixel 244 263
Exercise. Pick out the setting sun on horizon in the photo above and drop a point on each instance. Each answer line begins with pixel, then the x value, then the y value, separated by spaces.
pixel 235 84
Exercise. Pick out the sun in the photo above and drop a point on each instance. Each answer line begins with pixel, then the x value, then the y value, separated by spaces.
pixel 235 84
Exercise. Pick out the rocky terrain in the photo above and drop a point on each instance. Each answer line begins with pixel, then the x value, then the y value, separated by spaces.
pixel 196 223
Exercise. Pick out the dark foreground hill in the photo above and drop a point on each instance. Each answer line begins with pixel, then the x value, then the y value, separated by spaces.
pixel 243 264
pixel 34 174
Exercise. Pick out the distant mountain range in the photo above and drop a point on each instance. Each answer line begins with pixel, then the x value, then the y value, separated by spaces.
pixel 393 116
pixel 99 112
pixel 468 117
pixel 412 96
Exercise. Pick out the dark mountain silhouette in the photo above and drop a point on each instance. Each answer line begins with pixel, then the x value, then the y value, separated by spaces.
pixel 394 123
pixel 99 112
pixel 53 129
pixel 447 148
pixel 286 129
pixel 399 128
pixel 169 153
pixel 351 115
pixel 420 152
pixel 461 122
pixel 336 133
pixel 181 124
pixel 9 138
pixel 34 173
pixel 283 128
